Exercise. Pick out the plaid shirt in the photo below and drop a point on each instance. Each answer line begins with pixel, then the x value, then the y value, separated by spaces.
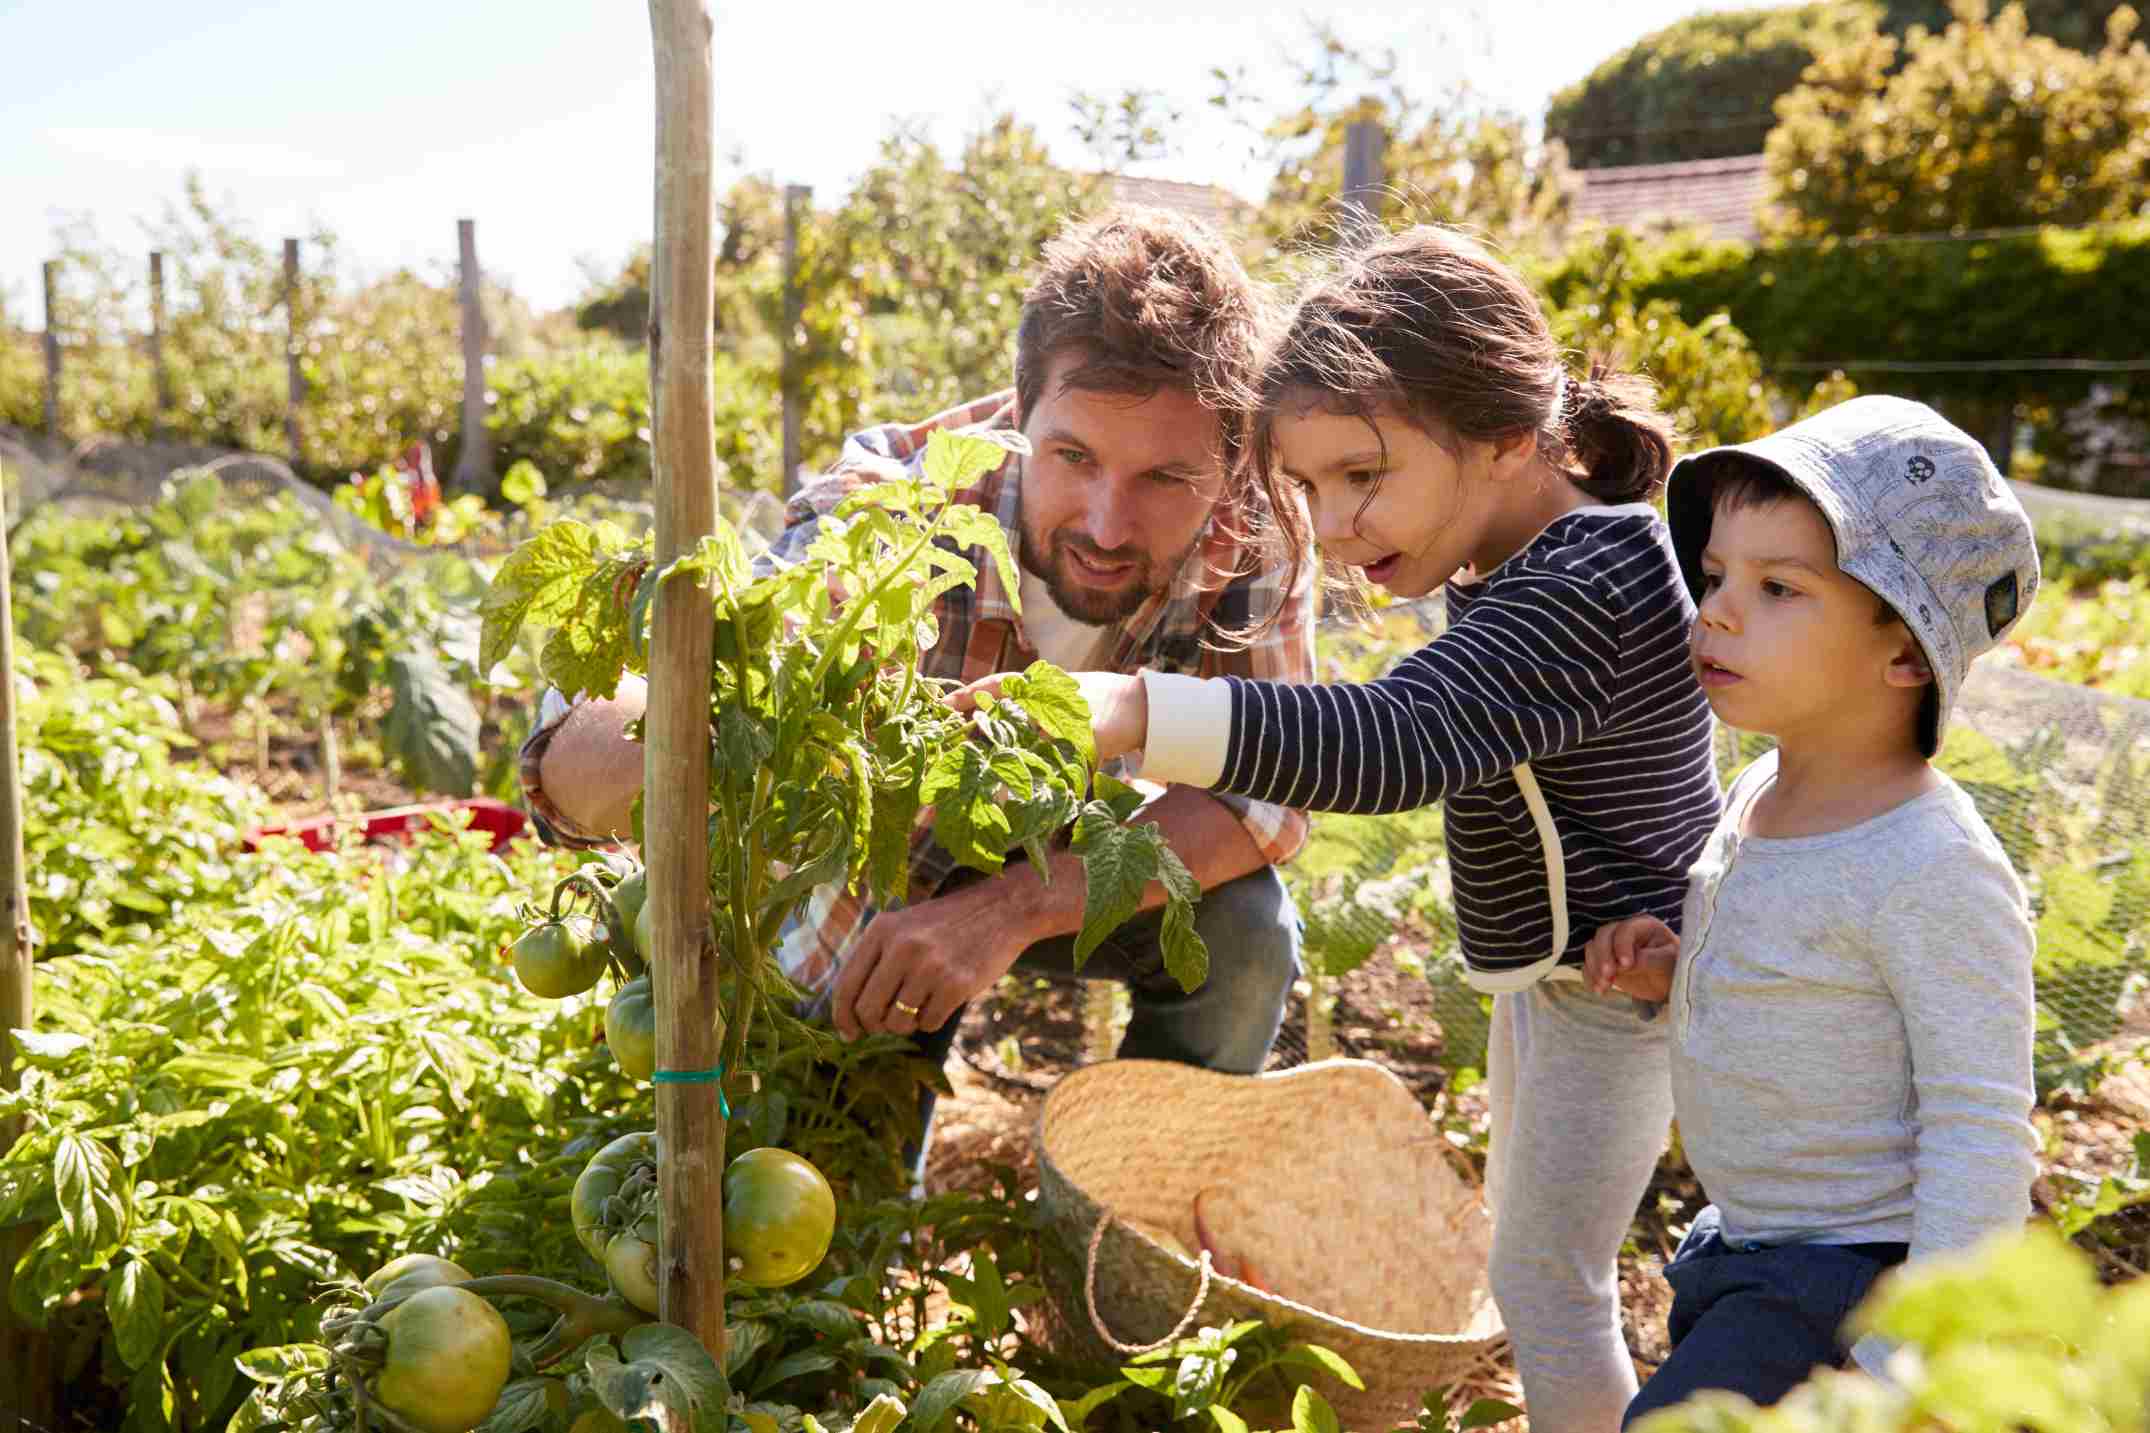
pixel 980 634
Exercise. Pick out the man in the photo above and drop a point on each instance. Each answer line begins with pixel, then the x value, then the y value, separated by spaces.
pixel 1139 543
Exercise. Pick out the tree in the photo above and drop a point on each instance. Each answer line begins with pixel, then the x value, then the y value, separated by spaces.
pixel 940 254
pixel 1984 125
pixel 1447 160
pixel 1703 88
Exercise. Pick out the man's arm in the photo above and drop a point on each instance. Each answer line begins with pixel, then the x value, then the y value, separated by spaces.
pixel 938 954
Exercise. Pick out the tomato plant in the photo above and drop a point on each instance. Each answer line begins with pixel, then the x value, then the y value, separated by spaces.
pixel 816 674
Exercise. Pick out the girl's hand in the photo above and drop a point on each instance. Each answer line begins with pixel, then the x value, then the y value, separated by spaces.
pixel 1119 708
pixel 1635 956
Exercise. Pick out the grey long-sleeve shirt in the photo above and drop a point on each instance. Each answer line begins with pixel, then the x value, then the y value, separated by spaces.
pixel 1852 1020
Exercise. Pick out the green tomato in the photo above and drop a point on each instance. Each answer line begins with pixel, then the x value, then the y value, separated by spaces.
pixel 628 898
pixel 601 1178
pixel 447 1360
pixel 553 961
pixel 631 1264
pixel 645 931
pixel 779 1215
pixel 409 1273
pixel 631 1029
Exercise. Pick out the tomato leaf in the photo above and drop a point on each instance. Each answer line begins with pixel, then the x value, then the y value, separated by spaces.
pixel 1053 700
pixel 1117 864
pixel 534 583
pixel 668 1379
pixel 953 461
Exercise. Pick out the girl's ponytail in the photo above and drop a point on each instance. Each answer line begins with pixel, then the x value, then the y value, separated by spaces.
pixel 1610 426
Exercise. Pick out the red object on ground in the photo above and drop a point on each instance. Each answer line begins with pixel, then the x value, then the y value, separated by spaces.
pixel 496 818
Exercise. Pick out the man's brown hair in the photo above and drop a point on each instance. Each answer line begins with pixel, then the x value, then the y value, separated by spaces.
pixel 1150 300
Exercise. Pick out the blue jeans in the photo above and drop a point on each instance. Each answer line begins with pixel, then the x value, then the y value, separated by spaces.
pixel 1756 1319
pixel 1227 1023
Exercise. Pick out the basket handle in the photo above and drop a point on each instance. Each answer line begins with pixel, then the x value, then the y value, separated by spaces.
pixel 1089 1297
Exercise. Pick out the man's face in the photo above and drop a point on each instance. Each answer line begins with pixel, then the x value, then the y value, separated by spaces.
pixel 1785 642
pixel 1115 492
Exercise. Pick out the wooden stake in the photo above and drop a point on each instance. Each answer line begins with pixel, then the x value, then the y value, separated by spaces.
pixel 1363 143
pixel 796 197
pixel 52 349
pixel 156 342
pixel 26 1370
pixel 474 465
pixel 294 380
pixel 331 761
pixel 690 1125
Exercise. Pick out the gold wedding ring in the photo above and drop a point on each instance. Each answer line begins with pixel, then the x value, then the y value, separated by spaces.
pixel 907 1009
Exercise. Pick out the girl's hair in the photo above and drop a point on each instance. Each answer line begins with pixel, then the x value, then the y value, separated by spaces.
pixel 1429 325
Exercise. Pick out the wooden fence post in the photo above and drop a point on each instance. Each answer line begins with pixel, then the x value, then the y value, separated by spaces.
pixel 795 197
pixel 1363 144
pixel 474 465
pixel 294 380
pixel 683 964
pixel 52 349
pixel 26 1365
pixel 156 343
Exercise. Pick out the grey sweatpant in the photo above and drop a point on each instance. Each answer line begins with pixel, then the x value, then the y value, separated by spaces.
pixel 1581 1096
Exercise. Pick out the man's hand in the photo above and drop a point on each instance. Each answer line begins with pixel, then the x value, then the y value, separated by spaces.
pixel 1635 956
pixel 1119 708
pixel 914 967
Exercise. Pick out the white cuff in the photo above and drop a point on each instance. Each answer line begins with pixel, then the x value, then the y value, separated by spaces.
pixel 1871 1356
pixel 1190 727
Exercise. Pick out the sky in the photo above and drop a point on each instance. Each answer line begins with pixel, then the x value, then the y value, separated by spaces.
pixel 535 118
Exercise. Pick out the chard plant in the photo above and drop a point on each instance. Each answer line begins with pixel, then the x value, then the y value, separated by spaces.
pixel 826 745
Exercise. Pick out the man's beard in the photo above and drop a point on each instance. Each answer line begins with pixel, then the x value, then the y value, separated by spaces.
pixel 1089 605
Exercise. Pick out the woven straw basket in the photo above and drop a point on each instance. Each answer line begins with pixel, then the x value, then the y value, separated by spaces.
pixel 1329 1180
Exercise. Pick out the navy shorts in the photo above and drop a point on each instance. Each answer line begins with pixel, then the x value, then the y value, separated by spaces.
pixel 1757 1319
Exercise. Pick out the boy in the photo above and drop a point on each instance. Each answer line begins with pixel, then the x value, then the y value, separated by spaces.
pixel 1851 995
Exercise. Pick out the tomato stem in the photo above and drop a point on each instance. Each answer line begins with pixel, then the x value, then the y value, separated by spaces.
pixel 582 1316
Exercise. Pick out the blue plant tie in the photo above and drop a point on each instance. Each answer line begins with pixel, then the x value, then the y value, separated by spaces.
pixel 697 1077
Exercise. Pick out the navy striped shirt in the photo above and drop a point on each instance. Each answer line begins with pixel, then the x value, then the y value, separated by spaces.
pixel 1572 656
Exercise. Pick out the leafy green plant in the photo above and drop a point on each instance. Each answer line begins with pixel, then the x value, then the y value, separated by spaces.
pixel 258 1096
pixel 118 837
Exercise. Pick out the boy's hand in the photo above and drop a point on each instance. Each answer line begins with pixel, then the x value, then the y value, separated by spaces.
pixel 1119 708
pixel 1634 956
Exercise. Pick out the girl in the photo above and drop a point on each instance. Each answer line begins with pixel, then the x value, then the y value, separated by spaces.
pixel 1417 403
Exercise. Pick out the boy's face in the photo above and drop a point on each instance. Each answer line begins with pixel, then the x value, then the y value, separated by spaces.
pixel 1786 644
